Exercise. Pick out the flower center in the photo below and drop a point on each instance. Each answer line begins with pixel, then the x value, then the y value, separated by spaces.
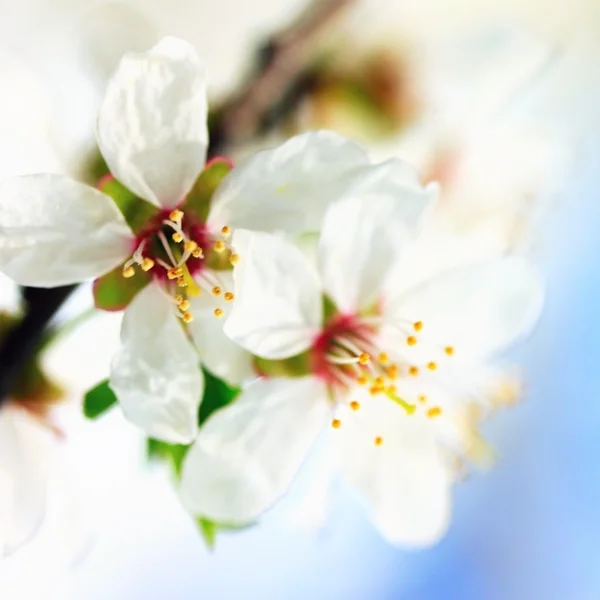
pixel 174 252
pixel 346 354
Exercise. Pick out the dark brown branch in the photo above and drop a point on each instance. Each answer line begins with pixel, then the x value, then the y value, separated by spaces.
pixel 278 84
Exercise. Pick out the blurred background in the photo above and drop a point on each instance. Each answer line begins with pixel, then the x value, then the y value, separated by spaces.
pixel 496 99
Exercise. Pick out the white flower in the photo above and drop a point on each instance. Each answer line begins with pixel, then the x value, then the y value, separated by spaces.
pixel 384 367
pixel 152 133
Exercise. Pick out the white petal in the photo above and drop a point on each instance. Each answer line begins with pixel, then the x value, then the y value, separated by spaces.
pixel 289 187
pixel 405 481
pixel 23 478
pixel 152 123
pixel 156 374
pixel 277 309
pixel 480 310
pixel 218 353
pixel 247 454
pixel 364 234
pixel 56 231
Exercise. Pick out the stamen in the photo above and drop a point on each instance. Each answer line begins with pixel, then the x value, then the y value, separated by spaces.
pixel 183 305
pixel 176 215
pixel 229 296
pixel 187 317
pixel 378 440
pixel 128 272
pixel 190 246
pixel 414 371
pixel 449 350
pixel 226 231
pixel 181 282
pixel 432 366
pixel 364 359
pixel 219 246
pixel 383 358
pixel 147 264
pixel 392 372
pixel 198 252
pixel 218 312
pixel 234 259
pixel 411 340
pixel 362 380
pixel 216 291
pixel 354 405
pixel 177 237
pixel 165 243
pixel 336 423
pixel 418 325
pixel 422 398
pixel 433 412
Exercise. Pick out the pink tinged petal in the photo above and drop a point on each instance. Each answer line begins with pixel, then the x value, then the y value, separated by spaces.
pixel 152 123
pixel 247 454
pixel 364 234
pixel 218 353
pixel 287 188
pixel 277 309
pixel 405 481
pixel 478 310
pixel 156 374
pixel 55 231
pixel 24 447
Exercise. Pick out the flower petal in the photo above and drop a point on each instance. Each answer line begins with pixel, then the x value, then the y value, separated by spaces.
pixel 404 480
pixel 247 454
pixel 218 353
pixel 287 188
pixel 277 309
pixel 479 310
pixel 364 234
pixel 152 123
pixel 55 231
pixel 24 447
pixel 156 374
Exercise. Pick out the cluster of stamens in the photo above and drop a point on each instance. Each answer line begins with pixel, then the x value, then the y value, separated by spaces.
pixel 358 361
pixel 180 284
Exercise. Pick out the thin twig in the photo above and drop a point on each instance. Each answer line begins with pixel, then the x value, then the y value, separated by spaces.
pixel 277 86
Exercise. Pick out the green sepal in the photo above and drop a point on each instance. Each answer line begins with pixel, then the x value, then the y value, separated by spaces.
pixel 114 292
pixel 171 453
pixel 295 366
pixel 217 394
pixel 209 529
pixel 98 400
pixel 137 212
pixel 198 200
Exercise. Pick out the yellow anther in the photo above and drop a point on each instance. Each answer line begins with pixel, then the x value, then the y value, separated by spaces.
pixel 414 371
pixel 219 246
pixel 364 359
pixel 175 272
pixel 432 366
pixel 418 325
pixel 176 215
pixel 449 350
pixel 362 380
pixel 181 282
pixel 178 298
pixel 177 237
pixel 379 380
pixel 226 231
pixel 147 264
pixel 376 389
pixel 198 253
pixel 392 372
pixel 411 340
pixel 229 296
pixel 216 291
pixel 184 305
pixel 336 423
pixel 234 259
pixel 422 398
pixel 354 405
pixel 187 317
pixel 433 412
pixel 218 312
pixel 383 358
pixel 190 246
pixel 128 272
pixel 378 440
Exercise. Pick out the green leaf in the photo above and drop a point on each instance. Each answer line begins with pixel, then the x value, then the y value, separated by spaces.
pixel 172 453
pixel 199 197
pixel 137 212
pixel 98 400
pixel 216 395
pixel 114 292
pixel 209 529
